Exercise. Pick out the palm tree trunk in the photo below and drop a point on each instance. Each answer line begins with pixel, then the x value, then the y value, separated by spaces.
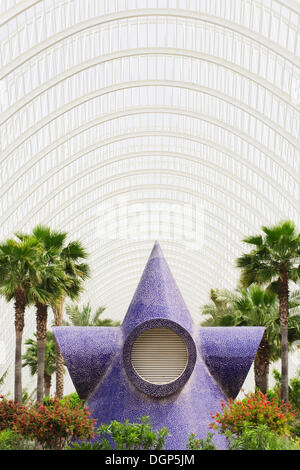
pixel 41 334
pixel 59 373
pixel 58 318
pixel 283 295
pixel 20 306
pixel 261 365
pixel 47 384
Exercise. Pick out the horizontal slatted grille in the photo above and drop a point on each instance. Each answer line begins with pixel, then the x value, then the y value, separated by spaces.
pixel 159 355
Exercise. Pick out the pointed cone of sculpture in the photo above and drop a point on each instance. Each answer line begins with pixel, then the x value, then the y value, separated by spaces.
pixel 157 296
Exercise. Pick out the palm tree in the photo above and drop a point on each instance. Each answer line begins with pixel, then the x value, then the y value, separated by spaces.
pixel 38 269
pixel 273 262
pixel 84 317
pixel 259 307
pixel 247 307
pixel 293 326
pixel 47 287
pixel 221 310
pixel 17 268
pixel 30 359
pixel 72 257
pixel 254 307
pixel 52 283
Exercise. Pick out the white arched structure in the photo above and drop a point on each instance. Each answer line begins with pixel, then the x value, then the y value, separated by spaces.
pixel 127 121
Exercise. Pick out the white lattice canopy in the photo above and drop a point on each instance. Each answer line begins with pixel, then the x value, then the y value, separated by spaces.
pixel 126 121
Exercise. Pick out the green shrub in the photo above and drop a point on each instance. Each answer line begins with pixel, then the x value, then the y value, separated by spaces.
pixel 294 390
pixel 201 444
pixel 27 397
pixel 132 436
pixel 8 412
pixel 259 438
pixel 54 425
pixel 85 446
pixel 294 398
pixel 10 440
pixel 295 428
pixel 253 410
pixel 294 393
pixel 72 400
pixel 275 391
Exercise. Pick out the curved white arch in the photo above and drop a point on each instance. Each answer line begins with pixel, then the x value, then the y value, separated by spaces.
pixel 40 155
pixel 127 156
pixel 110 288
pixel 193 257
pixel 109 247
pixel 138 172
pixel 107 282
pixel 162 186
pixel 219 95
pixel 231 249
pixel 195 247
pixel 122 291
pixel 221 23
pixel 163 52
pixel 188 294
pixel 174 111
pixel 246 175
pixel 242 222
pixel 19 8
pixel 213 253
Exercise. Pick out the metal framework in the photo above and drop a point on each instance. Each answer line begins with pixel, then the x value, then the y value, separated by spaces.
pixel 129 120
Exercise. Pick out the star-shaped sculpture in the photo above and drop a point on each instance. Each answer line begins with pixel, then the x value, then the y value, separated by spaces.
pixel 159 363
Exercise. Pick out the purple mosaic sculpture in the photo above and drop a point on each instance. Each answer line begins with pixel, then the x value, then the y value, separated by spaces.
pixel 99 360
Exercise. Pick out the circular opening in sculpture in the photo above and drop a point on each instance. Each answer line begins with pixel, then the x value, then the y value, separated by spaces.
pixel 159 356
pixel 175 350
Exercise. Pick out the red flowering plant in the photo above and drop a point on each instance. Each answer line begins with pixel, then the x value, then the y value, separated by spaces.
pixel 8 412
pixel 253 410
pixel 54 425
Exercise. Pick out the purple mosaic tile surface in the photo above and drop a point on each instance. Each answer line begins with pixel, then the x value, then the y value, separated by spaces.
pixel 98 360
